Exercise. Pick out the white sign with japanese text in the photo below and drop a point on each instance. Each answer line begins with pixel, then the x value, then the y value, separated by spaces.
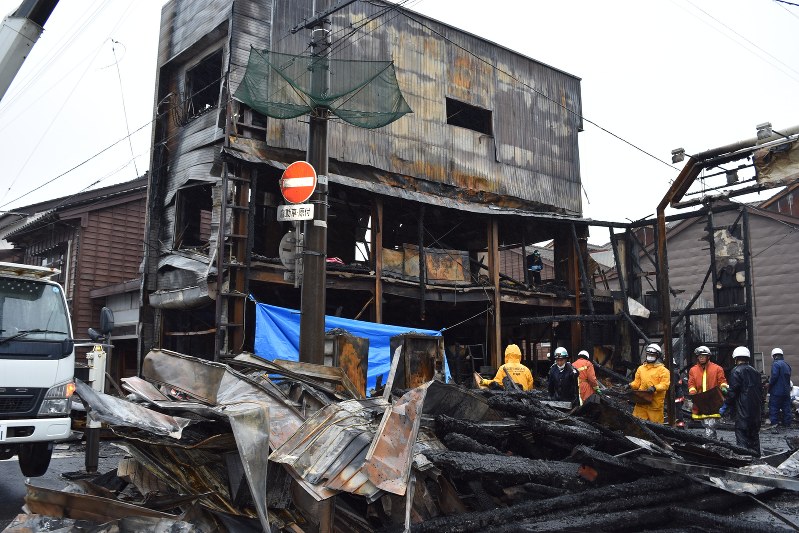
pixel 290 213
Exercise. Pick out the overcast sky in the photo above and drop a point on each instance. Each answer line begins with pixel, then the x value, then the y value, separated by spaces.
pixel 659 74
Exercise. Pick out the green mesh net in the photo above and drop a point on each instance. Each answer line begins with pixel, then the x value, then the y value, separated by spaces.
pixel 363 93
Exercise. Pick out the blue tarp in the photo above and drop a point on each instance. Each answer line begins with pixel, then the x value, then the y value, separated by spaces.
pixel 277 336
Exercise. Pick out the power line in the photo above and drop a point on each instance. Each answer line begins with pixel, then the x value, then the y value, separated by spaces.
pixel 536 91
pixel 124 110
pixel 765 60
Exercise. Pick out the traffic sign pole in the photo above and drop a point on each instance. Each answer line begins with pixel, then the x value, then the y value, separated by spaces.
pixel 312 314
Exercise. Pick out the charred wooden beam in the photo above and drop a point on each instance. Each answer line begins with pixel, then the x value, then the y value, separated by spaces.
pixel 508 469
pixel 670 433
pixel 583 434
pixel 461 443
pixel 609 469
pixel 485 521
pixel 446 424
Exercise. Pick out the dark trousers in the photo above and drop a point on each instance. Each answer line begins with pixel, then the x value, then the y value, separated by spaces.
pixel 779 409
pixel 748 437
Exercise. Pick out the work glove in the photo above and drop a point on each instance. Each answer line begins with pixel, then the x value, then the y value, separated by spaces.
pixel 723 410
pixel 651 389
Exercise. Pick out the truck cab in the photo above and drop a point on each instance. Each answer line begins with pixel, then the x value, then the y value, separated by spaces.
pixel 37 365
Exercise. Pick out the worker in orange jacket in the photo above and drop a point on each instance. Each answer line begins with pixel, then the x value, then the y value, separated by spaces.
pixel 514 369
pixel 586 377
pixel 654 377
pixel 706 375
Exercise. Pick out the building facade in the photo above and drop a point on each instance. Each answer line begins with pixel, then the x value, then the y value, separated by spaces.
pixel 419 211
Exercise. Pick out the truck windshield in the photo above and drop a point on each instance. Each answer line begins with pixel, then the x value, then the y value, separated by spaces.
pixel 32 310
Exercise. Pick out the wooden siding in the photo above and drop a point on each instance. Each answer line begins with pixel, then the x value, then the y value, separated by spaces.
pixel 110 252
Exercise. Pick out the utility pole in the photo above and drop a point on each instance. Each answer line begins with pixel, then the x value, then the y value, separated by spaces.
pixel 314 253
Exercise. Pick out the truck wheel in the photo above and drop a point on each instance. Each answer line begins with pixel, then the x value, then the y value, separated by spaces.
pixel 34 458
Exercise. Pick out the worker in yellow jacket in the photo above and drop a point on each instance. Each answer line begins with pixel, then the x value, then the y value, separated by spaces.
pixel 514 369
pixel 652 376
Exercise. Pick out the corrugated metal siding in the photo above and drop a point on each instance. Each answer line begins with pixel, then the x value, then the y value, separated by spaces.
pixel 252 26
pixel 184 22
pixel 535 157
pixel 773 247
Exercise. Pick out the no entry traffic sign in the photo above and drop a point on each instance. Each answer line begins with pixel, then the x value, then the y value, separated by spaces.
pixel 298 182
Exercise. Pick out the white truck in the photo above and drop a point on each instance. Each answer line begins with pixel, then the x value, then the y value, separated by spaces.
pixel 37 365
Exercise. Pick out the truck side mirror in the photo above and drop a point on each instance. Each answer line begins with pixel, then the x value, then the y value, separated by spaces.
pixel 106 320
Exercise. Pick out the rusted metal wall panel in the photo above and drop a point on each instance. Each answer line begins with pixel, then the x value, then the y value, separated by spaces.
pixel 442 265
pixel 533 154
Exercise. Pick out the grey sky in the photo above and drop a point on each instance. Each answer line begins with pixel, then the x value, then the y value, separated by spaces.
pixel 659 74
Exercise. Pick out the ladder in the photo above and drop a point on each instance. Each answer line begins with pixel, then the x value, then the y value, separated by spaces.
pixel 234 252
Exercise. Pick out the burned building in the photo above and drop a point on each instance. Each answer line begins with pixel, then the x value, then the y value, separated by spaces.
pixel 420 211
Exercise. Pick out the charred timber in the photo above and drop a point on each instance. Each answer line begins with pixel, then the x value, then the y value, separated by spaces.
pixel 573 435
pixel 523 406
pixel 670 433
pixel 446 424
pixel 484 521
pixel 461 443
pixel 510 470
pixel 614 515
pixel 609 469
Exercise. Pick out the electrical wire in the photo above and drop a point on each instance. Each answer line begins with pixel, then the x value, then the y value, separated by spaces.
pixel 60 109
pixel 794 76
pixel 124 110
pixel 536 91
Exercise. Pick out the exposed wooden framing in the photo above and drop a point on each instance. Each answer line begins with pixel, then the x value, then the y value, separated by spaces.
pixel 377 255
pixel 574 286
pixel 495 318
pixel 422 264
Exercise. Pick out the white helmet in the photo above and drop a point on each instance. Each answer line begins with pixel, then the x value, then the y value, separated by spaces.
pixel 584 353
pixel 654 349
pixel 561 352
pixel 741 351
pixel 776 351
pixel 702 350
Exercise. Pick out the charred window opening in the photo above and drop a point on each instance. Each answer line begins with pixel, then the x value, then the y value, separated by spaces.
pixel 250 123
pixel 193 223
pixel 468 116
pixel 348 242
pixel 202 85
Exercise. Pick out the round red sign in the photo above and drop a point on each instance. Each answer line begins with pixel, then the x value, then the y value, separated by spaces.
pixel 298 182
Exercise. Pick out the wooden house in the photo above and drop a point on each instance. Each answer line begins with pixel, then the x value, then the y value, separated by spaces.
pixel 95 239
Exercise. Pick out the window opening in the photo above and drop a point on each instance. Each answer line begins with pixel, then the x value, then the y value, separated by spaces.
pixel 468 116
pixel 193 227
pixel 202 85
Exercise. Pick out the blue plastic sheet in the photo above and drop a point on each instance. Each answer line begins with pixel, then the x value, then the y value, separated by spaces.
pixel 277 336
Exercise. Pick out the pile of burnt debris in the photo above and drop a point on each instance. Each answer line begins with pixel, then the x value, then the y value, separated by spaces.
pixel 256 445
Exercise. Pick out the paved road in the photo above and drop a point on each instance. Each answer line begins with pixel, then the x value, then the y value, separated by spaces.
pixel 68 457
